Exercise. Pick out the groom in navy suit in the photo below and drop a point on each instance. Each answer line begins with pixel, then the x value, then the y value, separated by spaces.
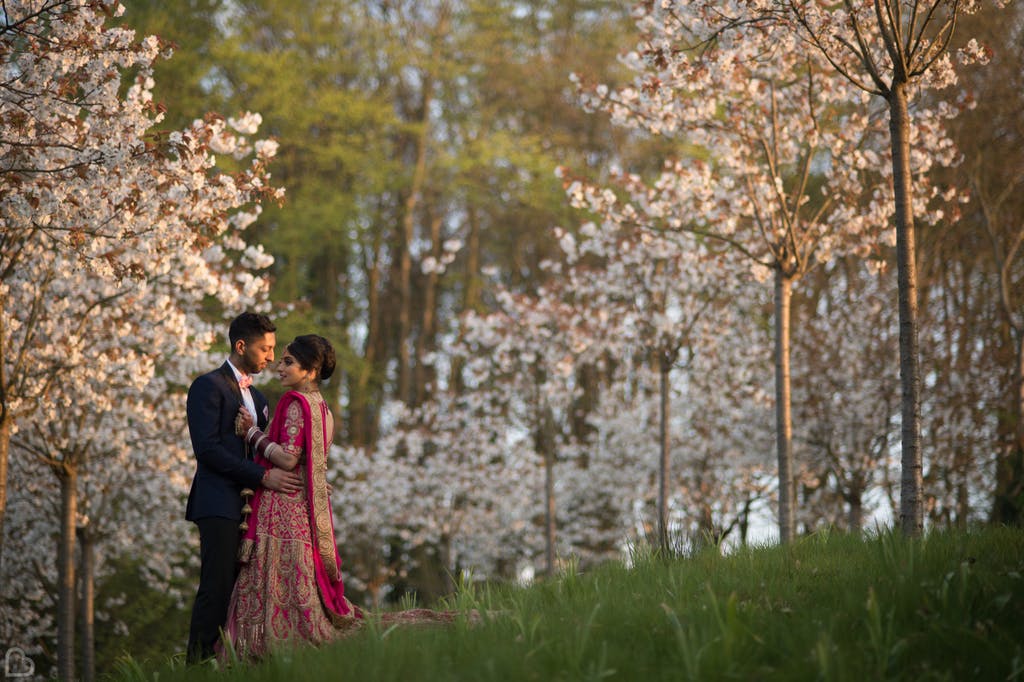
pixel 223 468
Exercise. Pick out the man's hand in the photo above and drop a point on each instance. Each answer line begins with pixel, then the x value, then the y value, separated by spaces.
pixel 243 420
pixel 283 481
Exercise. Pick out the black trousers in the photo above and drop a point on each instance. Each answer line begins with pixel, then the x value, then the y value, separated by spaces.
pixel 218 552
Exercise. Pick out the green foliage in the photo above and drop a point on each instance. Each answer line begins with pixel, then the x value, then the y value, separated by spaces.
pixel 155 619
pixel 827 607
pixel 184 84
pixel 349 90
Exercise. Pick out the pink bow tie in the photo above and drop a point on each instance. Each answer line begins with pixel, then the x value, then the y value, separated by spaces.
pixel 244 381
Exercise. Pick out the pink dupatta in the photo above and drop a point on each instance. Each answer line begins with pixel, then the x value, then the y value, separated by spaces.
pixel 326 559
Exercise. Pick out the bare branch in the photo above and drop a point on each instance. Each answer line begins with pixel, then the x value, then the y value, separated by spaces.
pixel 16 26
pixel 814 39
pixel 889 31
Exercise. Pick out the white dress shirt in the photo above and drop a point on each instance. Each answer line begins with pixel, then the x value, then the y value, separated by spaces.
pixel 246 394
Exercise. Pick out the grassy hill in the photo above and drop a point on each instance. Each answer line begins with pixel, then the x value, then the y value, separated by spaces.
pixel 827 607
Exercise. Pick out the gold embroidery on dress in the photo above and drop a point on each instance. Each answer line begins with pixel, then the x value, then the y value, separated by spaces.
pixel 317 459
pixel 277 602
pixel 292 428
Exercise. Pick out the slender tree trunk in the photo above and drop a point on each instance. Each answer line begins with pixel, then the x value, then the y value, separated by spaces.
pixel 6 426
pixel 706 535
pixel 1008 506
pixel 472 278
pixel 856 516
pixel 450 570
pixel 471 286
pixel 360 382
pixel 911 501
pixel 68 477
pixel 745 522
pixel 412 202
pixel 957 486
pixel 588 380
pixel 665 367
pixel 425 341
pixel 549 513
pixel 1019 459
pixel 783 407
pixel 546 444
pixel 87 602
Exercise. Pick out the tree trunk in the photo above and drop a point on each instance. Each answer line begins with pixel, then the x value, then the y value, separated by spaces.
pixel 1008 506
pixel 6 424
pixel 408 235
pixel 911 502
pixel 1015 489
pixel 425 341
pixel 472 276
pixel 783 407
pixel 665 367
pixel 546 445
pixel 588 380
pixel 471 287
pixel 360 382
pixel 87 602
pixel 68 477
pixel 856 516
pixel 745 522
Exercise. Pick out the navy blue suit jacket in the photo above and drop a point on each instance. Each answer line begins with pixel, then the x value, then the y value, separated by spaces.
pixel 223 467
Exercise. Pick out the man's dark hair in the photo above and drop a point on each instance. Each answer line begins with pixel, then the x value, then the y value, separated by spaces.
pixel 249 327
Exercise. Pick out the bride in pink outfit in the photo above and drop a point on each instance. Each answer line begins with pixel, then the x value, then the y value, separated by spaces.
pixel 289 588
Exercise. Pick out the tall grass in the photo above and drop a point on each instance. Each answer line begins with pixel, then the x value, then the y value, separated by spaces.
pixel 828 607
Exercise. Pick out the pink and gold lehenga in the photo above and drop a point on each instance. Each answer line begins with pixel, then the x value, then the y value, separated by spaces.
pixel 289 588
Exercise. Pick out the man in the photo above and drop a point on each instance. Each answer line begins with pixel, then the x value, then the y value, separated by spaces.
pixel 224 468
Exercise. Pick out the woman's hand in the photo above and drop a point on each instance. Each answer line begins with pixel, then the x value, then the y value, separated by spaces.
pixel 243 421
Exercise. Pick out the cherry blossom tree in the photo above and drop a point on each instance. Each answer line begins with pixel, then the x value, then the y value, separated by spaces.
pixel 662 292
pixel 531 347
pixel 719 437
pixel 847 396
pixel 80 176
pixel 96 341
pixel 118 481
pixel 117 242
pixel 447 478
pixel 895 50
pixel 963 410
pixel 778 167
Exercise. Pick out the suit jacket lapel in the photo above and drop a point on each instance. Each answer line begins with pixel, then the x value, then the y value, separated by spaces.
pixel 229 376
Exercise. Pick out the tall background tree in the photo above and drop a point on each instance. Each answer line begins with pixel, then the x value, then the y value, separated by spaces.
pixel 990 133
pixel 778 166
pixel 894 49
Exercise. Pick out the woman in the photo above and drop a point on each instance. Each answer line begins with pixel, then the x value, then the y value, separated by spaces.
pixel 289 587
